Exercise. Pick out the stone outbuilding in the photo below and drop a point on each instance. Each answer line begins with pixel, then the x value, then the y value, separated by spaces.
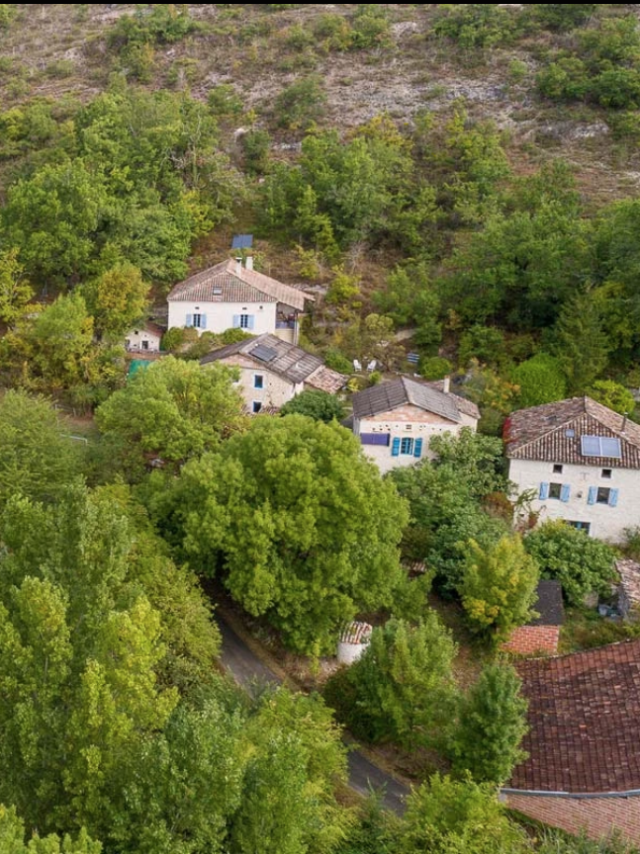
pixel 353 643
pixel 629 590
pixel 542 635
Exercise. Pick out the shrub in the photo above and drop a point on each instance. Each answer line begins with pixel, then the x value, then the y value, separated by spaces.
pixel 7 14
pixel 434 368
pixel 370 28
pixel 223 100
pixel 300 104
pixel 256 146
pixel 333 32
pixel 474 25
pixel 563 16
pixel 337 361
pixel 315 404
pixel 580 563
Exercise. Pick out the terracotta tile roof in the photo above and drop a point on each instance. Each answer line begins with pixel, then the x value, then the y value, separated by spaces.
pixel 390 395
pixel 553 432
pixel 326 379
pixel 584 711
pixel 231 282
pixel 286 360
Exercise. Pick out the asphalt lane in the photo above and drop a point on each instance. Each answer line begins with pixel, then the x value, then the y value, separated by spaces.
pixel 251 674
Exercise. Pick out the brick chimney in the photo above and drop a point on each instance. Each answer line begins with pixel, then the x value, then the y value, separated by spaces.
pixel 249 262
pixel 238 266
pixel 447 385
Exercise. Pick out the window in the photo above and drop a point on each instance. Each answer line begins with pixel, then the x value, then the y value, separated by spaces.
pixel 606 473
pixel 145 345
pixel 581 526
pixel 257 406
pixel 604 495
pixel 258 381
pixel 197 321
pixel 244 321
pixel 406 447
pixel 557 469
pixel 555 490
pixel 381 439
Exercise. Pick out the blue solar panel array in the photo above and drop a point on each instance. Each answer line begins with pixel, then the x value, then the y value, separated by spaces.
pixel 242 241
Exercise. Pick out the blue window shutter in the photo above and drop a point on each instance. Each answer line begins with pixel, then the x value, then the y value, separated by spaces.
pixel 544 491
pixel 203 321
pixel 252 321
pixel 593 495
pixel 395 448
pixel 565 493
pixel 613 497
pixel 189 320
pixel 236 321
pixel 417 451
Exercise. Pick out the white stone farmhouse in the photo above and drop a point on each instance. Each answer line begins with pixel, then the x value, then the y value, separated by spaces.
pixel 233 296
pixel 396 420
pixel 581 460
pixel 272 372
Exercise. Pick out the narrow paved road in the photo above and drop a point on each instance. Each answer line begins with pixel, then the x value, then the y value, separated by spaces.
pixel 248 671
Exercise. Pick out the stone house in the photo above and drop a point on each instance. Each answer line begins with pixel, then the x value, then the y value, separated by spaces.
pixel 234 296
pixel 396 420
pixel 272 372
pixel 581 462
pixel 144 338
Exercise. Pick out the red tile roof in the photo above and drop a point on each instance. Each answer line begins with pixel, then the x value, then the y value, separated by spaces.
pixel 584 714
pixel 553 432
pixel 231 282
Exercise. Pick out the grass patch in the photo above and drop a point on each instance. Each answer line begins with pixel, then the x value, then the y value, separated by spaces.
pixel 586 629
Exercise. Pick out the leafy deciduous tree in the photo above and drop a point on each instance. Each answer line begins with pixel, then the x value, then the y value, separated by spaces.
pixel 498 587
pixel 300 523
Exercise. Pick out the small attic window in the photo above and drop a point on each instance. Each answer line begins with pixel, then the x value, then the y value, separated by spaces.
pixel 217 292
pixel 570 434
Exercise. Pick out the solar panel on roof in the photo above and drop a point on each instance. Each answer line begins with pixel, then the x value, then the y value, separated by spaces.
pixel 265 354
pixel 611 448
pixel 242 241
pixel 601 446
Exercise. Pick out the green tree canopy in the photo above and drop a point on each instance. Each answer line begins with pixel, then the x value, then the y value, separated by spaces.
pixel 445 816
pixel 445 515
pixel 12 839
pixel 37 457
pixel 175 410
pixel 491 726
pixel 15 292
pixel 117 300
pixel 613 395
pixel 299 522
pixel 317 405
pixel 498 588
pixel 581 344
pixel 540 380
pixel 402 689
pixel 581 564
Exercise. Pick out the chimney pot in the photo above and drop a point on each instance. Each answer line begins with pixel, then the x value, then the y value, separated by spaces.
pixel 447 385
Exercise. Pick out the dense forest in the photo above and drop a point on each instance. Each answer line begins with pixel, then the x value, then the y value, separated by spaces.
pixel 493 236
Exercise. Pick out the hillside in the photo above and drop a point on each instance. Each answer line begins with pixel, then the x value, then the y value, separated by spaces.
pixel 59 50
